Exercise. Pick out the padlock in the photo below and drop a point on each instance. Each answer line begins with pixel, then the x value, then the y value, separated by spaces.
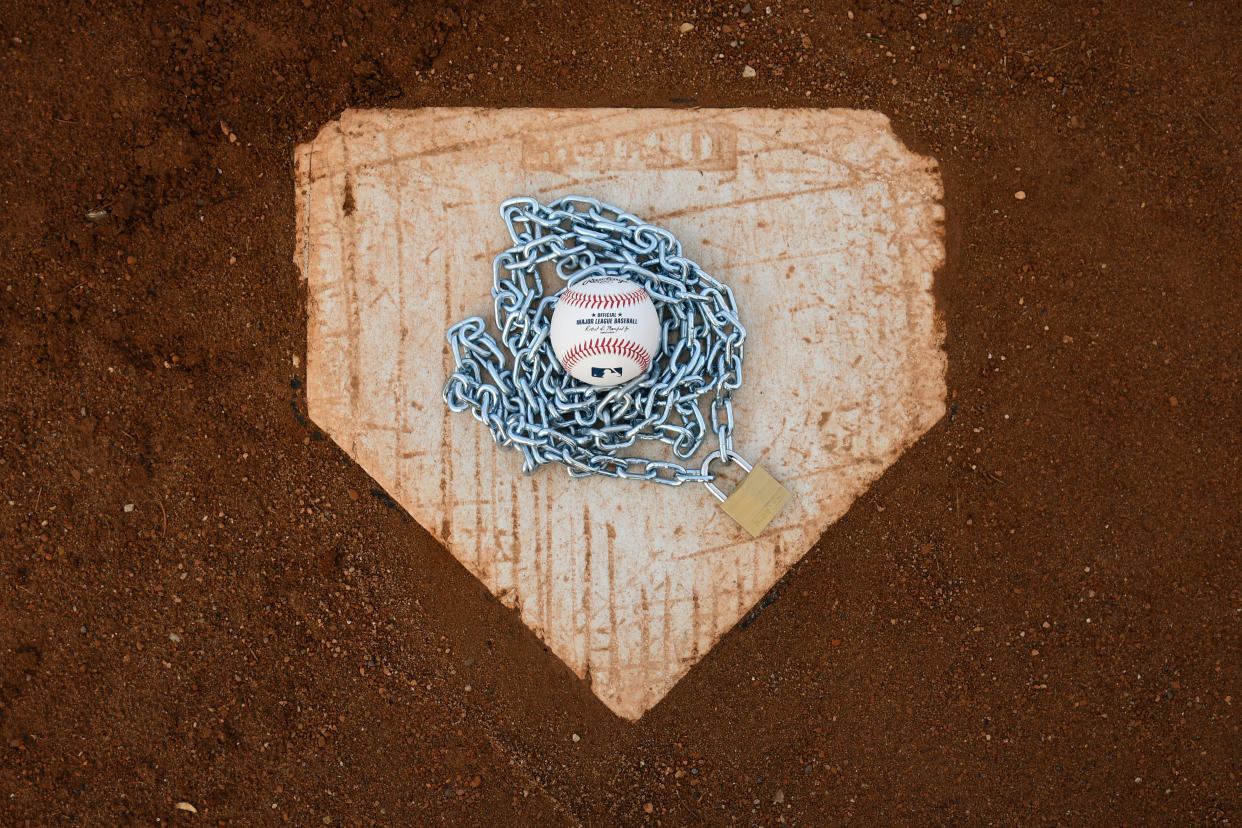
pixel 756 501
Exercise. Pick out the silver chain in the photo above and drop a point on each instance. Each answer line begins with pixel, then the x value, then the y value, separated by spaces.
pixel 515 386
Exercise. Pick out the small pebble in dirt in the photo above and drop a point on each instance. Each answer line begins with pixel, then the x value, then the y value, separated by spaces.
pixel 174 638
pixel 577 738
pixel 648 808
pixel 1020 194
pixel 746 9
pixel 1173 401
pixel 128 507
pixel 748 72
pixel 687 27
pixel 779 798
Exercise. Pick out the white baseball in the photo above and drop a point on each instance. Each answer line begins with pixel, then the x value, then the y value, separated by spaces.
pixel 605 330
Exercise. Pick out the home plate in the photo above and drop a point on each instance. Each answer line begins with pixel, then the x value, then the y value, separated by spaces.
pixel 828 230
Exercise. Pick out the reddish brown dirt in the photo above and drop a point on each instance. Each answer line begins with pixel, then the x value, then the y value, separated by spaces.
pixel 1033 618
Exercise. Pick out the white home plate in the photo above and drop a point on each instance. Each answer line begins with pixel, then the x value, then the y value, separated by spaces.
pixel 825 225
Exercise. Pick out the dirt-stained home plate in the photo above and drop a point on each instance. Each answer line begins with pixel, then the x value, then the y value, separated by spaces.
pixel 825 225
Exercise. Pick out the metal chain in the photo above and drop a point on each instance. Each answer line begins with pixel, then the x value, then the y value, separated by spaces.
pixel 515 386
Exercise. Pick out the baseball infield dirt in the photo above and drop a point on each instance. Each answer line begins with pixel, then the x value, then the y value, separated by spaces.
pixel 210 615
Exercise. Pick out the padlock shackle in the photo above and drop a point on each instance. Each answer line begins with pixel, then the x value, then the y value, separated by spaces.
pixel 733 457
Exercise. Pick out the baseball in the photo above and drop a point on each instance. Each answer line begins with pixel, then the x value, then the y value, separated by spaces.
pixel 605 330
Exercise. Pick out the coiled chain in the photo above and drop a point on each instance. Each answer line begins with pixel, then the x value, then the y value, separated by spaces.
pixel 516 386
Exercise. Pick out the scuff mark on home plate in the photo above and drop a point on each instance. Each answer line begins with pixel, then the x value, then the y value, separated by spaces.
pixel 825 225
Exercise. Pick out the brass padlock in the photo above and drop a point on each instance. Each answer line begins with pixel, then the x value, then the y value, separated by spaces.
pixel 756 501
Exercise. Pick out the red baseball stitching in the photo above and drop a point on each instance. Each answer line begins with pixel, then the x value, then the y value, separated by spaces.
pixel 617 347
pixel 592 302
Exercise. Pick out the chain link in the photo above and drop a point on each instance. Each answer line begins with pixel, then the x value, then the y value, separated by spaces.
pixel 515 386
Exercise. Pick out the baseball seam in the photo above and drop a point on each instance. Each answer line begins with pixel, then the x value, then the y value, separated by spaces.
pixel 592 302
pixel 615 347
